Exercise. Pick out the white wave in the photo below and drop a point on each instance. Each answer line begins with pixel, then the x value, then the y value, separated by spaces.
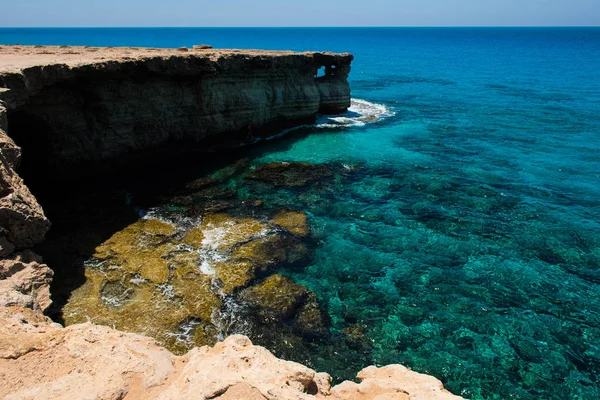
pixel 360 113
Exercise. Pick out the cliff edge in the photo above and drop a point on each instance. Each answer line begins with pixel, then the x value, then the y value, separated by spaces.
pixel 74 108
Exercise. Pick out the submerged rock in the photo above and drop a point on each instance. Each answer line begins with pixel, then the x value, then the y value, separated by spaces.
pixel 272 250
pixel 356 337
pixel 309 320
pixel 278 298
pixel 152 277
pixel 295 174
pixel 295 222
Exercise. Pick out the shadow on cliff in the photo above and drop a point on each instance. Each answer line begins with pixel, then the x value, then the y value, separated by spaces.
pixel 85 213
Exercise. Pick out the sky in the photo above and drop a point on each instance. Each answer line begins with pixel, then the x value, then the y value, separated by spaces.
pixel 41 13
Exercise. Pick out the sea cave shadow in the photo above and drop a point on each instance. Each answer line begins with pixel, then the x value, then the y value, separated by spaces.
pixel 86 212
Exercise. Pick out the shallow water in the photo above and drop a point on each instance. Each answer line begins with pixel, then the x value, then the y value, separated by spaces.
pixel 460 234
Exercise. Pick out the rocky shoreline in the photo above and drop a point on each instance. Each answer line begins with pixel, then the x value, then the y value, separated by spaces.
pixel 78 111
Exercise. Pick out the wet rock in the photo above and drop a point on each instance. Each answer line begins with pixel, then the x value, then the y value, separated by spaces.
pixel 142 280
pixel 295 222
pixel 309 320
pixel 295 174
pixel 222 231
pixel 271 250
pixel 197 297
pixel 356 337
pixel 233 274
pixel 277 297
pixel 114 298
pixel 191 332
pixel 141 248
pixel 115 294
pixel 199 183
pixel 148 278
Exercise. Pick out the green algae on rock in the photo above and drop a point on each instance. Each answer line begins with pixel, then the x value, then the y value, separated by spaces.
pixel 280 299
pixel 277 296
pixel 295 222
pixel 170 282
pixel 221 231
pixel 141 281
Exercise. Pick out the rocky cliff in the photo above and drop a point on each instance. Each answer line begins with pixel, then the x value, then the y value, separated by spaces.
pixel 42 360
pixel 76 109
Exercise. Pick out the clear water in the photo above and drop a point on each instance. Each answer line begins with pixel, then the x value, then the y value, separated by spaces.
pixel 466 239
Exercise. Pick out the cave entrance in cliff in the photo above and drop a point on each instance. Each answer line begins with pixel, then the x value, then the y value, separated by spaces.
pixel 32 134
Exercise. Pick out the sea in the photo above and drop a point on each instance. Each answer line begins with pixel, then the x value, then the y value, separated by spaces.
pixel 464 241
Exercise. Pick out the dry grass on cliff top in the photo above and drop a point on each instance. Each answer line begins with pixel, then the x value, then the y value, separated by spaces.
pixel 14 58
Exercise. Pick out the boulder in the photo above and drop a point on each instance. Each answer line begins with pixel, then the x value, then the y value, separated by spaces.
pixel 25 281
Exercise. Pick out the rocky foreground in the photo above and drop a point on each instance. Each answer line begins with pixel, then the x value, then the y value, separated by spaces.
pixel 42 360
pixel 70 108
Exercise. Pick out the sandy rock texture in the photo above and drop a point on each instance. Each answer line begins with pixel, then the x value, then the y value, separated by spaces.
pixel 42 360
pixel 25 281
pixel 77 106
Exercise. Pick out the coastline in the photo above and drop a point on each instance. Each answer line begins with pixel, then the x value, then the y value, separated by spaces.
pixel 34 85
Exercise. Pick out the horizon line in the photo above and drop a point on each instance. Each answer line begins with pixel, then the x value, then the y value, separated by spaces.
pixel 292 26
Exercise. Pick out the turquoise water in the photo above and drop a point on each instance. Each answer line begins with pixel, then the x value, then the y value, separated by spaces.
pixel 461 232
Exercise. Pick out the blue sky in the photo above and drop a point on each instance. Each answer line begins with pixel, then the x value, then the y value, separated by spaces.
pixel 298 13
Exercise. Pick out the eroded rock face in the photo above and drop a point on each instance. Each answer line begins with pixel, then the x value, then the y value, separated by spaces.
pixel 22 220
pixel 25 281
pixel 95 106
pixel 42 360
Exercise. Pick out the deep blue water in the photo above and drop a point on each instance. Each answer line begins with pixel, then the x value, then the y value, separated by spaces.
pixel 466 240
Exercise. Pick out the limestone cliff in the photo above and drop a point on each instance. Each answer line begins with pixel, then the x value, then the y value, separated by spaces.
pixel 78 107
